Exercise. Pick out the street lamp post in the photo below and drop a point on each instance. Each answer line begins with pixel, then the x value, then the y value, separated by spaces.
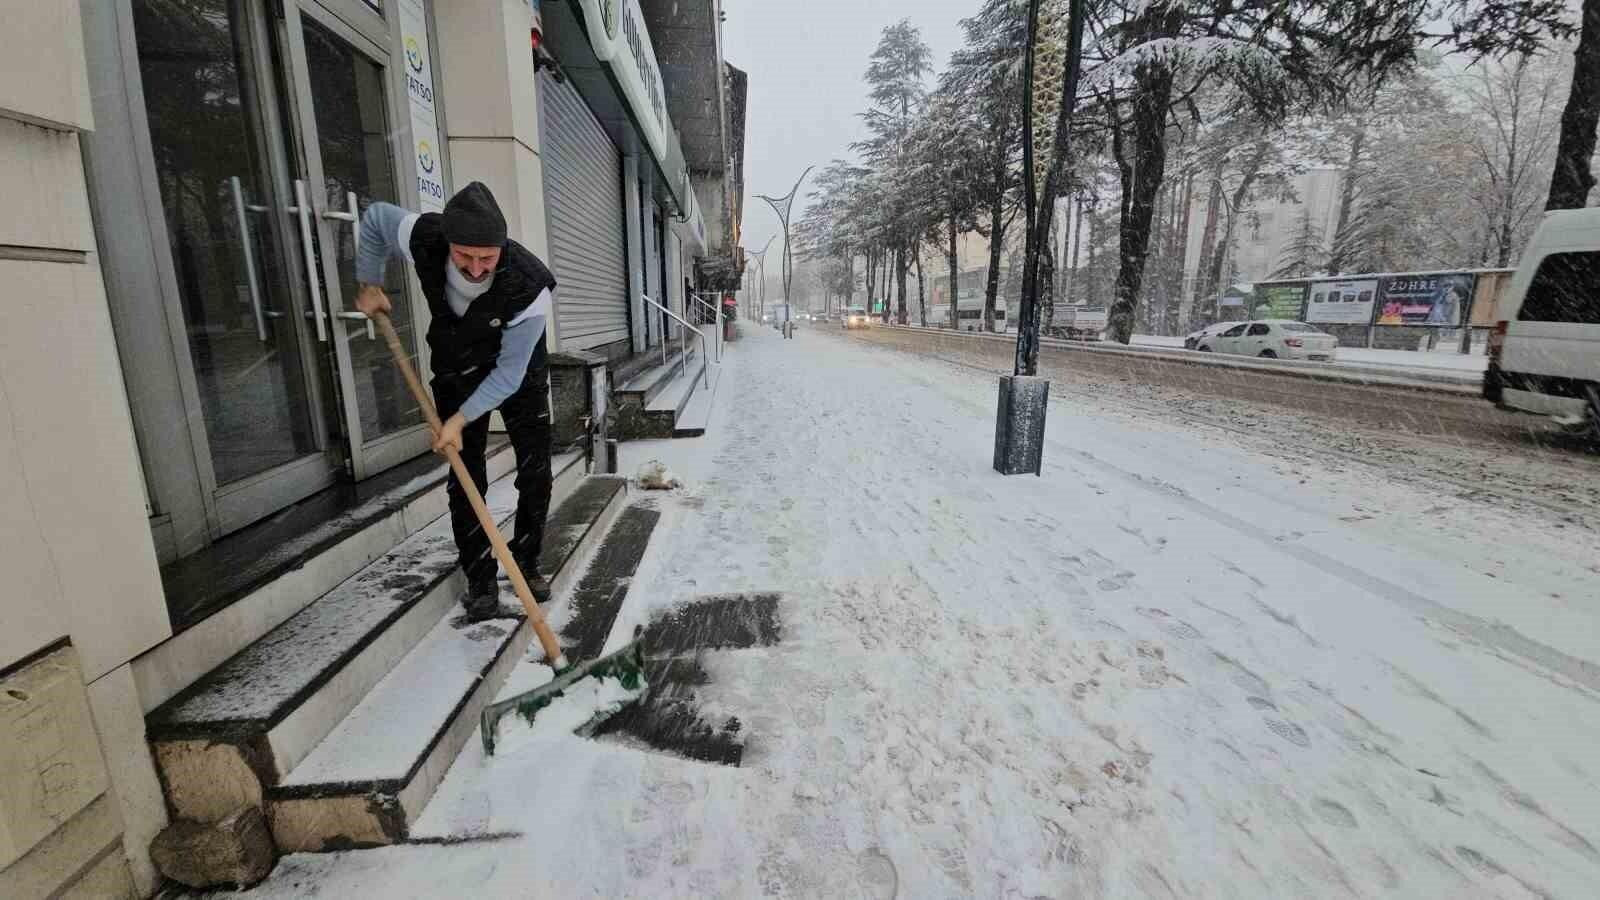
pixel 761 276
pixel 782 206
pixel 1049 94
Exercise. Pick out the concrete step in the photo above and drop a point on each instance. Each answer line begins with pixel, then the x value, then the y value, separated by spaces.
pixel 369 779
pixel 258 580
pixel 239 730
pixel 694 417
pixel 677 392
pixel 588 632
pixel 643 387
pixel 367 782
pixel 658 417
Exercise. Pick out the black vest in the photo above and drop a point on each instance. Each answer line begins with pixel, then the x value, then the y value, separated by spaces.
pixel 460 343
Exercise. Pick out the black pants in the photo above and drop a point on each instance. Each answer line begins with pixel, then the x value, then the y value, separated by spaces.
pixel 527 416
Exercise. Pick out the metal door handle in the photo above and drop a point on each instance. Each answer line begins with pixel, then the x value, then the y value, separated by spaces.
pixel 352 215
pixel 302 208
pixel 239 209
pixel 349 215
pixel 358 316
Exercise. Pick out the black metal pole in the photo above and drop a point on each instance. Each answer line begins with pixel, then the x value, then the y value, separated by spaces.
pixel 1041 198
pixel 1030 199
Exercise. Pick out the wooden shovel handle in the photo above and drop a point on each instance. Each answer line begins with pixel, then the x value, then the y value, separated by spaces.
pixel 502 550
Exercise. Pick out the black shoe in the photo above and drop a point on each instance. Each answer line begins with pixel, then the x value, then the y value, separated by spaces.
pixel 538 584
pixel 481 602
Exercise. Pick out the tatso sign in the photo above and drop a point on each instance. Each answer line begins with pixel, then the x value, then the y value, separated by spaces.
pixel 420 103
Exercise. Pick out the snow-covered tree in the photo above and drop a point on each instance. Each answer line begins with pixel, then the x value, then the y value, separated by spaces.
pixel 985 75
pixel 895 77
pixel 1515 103
pixel 1305 254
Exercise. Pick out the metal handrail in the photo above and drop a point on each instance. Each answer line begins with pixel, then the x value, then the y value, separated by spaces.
pixel 716 318
pixel 683 346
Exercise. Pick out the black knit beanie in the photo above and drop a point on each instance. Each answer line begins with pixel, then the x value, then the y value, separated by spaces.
pixel 473 219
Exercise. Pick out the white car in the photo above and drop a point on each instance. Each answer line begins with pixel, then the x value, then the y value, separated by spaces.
pixel 1273 339
pixel 856 317
pixel 1191 341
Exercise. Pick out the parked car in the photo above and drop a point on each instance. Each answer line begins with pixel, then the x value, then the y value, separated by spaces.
pixel 1544 352
pixel 1191 341
pixel 1274 339
pixel 856 317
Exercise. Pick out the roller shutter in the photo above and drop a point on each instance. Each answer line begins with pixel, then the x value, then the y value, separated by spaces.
pixel 583 211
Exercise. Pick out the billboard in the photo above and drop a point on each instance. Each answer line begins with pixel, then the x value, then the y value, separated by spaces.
pixel 1432 300
pixel 1342 302
pixel 1280 301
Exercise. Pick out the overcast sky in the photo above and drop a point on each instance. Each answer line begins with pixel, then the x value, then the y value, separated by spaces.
pixel 805 61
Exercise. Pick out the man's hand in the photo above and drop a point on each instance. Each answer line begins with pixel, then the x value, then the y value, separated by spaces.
pixel 371 298
pixel 449 435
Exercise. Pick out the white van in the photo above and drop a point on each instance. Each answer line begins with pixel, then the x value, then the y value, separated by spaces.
pixel 1544 353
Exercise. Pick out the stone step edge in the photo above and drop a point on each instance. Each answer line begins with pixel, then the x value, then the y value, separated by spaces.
pixel 172 667
pixel 381 810
pixel 243 729
pixel 646 385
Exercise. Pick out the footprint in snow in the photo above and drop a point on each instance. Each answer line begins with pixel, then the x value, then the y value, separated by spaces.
pixel 876 874
pixel 1290 732
pixel 1116 582
pixel 1334 813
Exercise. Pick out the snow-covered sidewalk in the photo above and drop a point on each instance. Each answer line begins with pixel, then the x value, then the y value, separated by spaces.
pixel 1170 666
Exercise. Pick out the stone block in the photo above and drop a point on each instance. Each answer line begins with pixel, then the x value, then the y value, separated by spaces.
pixel 1019 425
pixel 236 851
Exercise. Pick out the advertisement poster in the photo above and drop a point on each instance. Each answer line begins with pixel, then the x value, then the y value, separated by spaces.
pixel 1280 301
pixel 1342 302
pixel 1433 300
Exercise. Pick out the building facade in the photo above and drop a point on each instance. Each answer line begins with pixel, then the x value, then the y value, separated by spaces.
pixel 184 358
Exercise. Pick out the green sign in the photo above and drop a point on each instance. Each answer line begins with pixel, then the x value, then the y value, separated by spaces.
pixel 1280 301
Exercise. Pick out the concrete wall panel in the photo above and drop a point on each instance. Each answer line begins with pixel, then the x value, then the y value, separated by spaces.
pixel 80 478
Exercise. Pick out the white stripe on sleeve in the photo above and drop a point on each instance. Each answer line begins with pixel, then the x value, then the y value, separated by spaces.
pixel 403 235
pixel 540 307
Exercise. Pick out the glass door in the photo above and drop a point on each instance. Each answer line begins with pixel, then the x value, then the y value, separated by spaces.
pixel 344 100
pixel 252 373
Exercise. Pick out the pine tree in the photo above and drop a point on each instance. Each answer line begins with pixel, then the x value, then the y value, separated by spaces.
pixel 1305 254
pixel 895 77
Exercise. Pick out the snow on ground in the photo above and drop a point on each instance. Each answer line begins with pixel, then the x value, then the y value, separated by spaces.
pixel 1177 664
pixel 1445 356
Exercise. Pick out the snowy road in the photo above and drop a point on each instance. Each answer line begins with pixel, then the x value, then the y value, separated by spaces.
pixel 1187 661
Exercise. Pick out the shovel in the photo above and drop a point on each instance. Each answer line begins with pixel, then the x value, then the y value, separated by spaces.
pixel 626 664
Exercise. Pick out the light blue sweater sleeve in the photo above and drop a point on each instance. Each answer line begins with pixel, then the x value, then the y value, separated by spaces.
pixel 517 344
pixel 379 240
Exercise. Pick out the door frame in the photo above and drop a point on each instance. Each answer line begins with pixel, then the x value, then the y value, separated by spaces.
pixel 364 457
pixel 223 507
pixel 188 510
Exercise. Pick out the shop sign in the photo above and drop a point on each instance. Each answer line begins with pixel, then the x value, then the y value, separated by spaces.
pixel 619 37
pixel 430 170
pixel 1342 302
pixel 1430 300
pixel 418 65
